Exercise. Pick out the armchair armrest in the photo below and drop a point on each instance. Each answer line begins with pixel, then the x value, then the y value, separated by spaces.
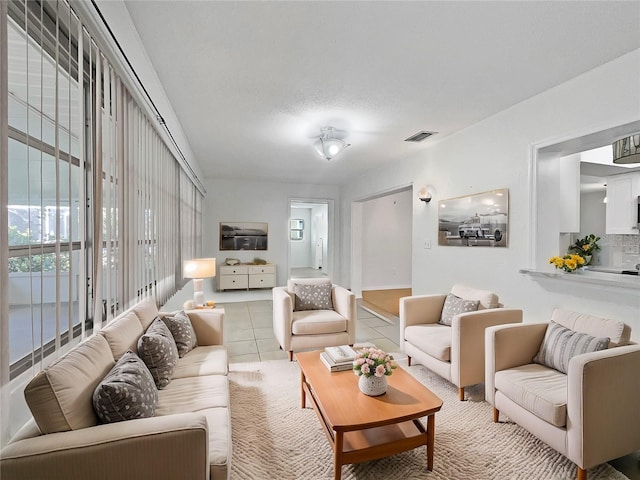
pixel 208 325
pixel 282 316
pixel 156 448
pixel 344 303
pixel 467 342
pixel 419 309
pixel 508 346
pixel 603 420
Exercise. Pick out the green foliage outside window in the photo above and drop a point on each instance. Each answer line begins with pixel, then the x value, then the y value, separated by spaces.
pixel 34 263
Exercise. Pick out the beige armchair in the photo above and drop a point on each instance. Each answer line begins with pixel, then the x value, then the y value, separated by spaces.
pixel 590 414
pixel 454 352
pixel 297 329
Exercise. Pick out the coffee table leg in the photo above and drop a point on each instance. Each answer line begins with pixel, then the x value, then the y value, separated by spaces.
pixel 337 456
pixel 303 397
pixel 431 435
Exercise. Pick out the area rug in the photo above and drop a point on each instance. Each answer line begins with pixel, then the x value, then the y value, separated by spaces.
pixel 273 438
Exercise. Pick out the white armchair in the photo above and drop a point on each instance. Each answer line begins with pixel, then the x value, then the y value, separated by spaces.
pixel 298 330
pixel 454 352
pixel 590 414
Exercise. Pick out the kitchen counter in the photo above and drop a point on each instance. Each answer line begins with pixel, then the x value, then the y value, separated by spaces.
pixel 603 276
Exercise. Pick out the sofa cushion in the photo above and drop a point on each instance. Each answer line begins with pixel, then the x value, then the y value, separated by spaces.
pixel 618 332
pixel 182 331
pixel 122 334
pixel 560 344
pixel 147 311
pixel 538 389
pixel 159 352
pixel 60 395
pixel 433 339
pixel 193 394
pixel 313 297
pixel 486 298
pixel 291 283
pixel 127 392
pixel 207 360
pixel 453 306
pixel 312 322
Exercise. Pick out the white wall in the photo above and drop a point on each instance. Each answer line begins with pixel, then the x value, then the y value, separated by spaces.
pixel 243 201
pixel 498 153
pixel 593 213
pixel 386 241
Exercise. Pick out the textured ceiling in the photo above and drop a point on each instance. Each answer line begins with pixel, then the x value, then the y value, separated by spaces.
pixel 253 82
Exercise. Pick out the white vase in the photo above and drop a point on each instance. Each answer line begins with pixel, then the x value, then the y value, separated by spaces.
pixel 373 386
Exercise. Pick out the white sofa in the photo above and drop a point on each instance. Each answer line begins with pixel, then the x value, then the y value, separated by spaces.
pixel 188 438
pixel 590 414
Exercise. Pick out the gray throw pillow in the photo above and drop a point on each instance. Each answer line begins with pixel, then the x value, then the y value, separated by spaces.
pixel 182 331
pixel 127 392
pixel 313 297
pixel 158 351
pixel 453 306
pixel 560 344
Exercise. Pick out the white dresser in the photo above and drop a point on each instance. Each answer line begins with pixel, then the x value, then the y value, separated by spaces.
pixel 244 277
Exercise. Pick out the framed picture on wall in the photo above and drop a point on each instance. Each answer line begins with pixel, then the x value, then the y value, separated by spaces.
pixel 243 235
pixel 479 220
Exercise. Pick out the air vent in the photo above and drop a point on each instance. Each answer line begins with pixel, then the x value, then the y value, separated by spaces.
pixel 420 136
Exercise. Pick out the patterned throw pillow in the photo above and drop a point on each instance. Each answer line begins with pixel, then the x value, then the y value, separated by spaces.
pixel 180 327
pixel 127 392
pixel 454 306
pixel 313 297
pixel 560 344
pixel 158 351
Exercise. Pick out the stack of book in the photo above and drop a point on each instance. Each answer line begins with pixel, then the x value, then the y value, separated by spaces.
pixel 337 359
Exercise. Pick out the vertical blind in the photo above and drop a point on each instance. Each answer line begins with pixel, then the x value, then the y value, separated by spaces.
pixel 97 211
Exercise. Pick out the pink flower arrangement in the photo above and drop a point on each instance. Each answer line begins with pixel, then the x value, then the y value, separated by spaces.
pixel 373 361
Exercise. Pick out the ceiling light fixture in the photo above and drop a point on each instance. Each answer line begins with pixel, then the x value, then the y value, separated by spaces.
pixel 627 150
pixel 328 146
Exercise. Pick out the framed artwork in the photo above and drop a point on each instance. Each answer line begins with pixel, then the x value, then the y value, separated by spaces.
pixel 243 235
pixel 479 220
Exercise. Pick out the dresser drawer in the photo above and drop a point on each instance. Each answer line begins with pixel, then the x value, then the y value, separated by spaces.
pixel 256 269
pixel 230 282
pixel 262 280
pixel 234 270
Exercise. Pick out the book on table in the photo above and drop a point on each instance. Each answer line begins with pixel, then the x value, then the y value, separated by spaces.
pixel 333 366
pixel 343 353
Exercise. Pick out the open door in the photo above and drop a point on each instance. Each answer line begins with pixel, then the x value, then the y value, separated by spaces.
pixel 309 244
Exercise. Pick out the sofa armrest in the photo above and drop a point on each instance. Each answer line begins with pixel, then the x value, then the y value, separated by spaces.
pixel 344 303
pixel 467 342
pixel 419 309
pixel 508 346
pixel 208 325
pixel 603 420
pixel 282 316
pixel 157 448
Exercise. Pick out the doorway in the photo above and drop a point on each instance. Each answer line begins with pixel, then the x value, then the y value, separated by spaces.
pixel 309 238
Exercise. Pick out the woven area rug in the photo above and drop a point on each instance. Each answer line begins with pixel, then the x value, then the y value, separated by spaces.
pixel 273 438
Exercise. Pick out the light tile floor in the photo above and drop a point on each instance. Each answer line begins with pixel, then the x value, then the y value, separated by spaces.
pixel 248 331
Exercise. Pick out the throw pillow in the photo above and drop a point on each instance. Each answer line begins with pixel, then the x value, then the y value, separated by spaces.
pixel 127 392
pixel 180 327
pixel 454 306
pixel 313 297
pixel 158 351
pixel 560 344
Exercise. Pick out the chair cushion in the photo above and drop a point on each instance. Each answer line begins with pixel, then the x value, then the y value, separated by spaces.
pixel 538 389
pixel 454 306
pixel 122 334
pixel 618 332
pixel 291 283
pixel 159 352
pixel 127 392
pixel 313 297
pixel 560 344
pixel 486 298
pixel 432 338
pixel 182 331
pixel 313 322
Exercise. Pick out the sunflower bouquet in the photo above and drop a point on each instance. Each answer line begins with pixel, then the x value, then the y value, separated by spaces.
pixel 568 263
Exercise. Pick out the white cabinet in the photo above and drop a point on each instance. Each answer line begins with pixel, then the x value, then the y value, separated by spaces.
pixel 243 277
pixel 622 203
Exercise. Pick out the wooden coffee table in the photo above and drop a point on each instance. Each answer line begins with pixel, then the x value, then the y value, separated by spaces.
pixel 362 428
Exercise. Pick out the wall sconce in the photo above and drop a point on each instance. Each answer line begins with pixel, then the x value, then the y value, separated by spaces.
pixel 424 195
pixel 199 268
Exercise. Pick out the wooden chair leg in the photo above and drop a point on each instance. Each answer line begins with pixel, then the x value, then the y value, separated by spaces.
pixel 408 360
pixel 582 474
pixel 496 415
pixel 461 394
pixel 290 352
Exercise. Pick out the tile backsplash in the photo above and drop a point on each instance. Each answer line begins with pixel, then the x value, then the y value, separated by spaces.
pixel 618 251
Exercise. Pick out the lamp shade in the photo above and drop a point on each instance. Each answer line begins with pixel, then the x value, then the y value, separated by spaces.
pixel 328 146
pixel 199 268
pixel 627 150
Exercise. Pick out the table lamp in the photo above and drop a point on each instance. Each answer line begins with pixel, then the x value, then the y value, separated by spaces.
pixel 199 268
